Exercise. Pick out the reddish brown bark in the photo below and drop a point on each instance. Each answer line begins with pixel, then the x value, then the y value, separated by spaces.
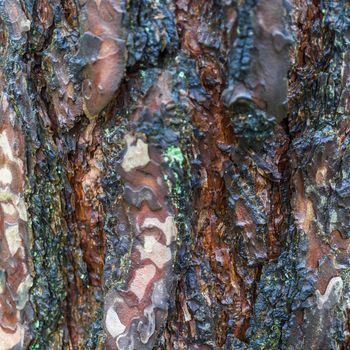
pixel 174 174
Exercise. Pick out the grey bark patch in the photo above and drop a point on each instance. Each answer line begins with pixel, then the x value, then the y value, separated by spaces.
pixel 88 49
pixel 137 197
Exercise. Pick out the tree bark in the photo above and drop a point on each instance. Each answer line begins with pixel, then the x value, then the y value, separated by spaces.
pixel 174 174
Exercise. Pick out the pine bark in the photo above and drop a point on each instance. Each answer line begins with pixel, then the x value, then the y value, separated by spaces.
pixel 174 174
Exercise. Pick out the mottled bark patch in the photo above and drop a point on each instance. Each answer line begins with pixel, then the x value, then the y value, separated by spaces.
pixel 103 50
pixel 15 280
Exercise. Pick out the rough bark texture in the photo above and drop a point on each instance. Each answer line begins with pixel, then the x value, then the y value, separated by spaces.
pixel 174 174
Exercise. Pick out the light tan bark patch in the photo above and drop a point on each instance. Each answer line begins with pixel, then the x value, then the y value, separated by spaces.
pixel 136 154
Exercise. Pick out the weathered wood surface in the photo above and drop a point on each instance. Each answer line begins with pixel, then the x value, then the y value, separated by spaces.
pixel 174 174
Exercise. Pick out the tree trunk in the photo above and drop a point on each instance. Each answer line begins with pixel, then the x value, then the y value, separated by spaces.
pixel 174 174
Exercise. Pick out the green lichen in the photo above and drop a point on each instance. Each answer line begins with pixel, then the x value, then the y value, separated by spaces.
pixel 48 293
pixel 174 154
